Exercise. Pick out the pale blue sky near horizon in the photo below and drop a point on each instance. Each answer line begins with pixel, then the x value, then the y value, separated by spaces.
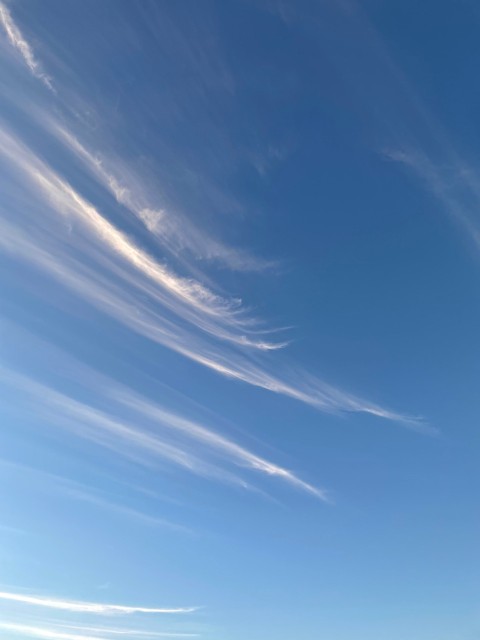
pixel 239 353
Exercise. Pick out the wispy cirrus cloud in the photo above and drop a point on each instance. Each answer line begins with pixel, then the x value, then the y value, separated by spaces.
pixel 111 270
pixel 20 44
pixel 226 448
pixel 75 606
pixel 130 513
pixel 103 265
pixel 452 182
pixel 44 633
pixel 109 631
pixel 413 135
pixel 176 233
pixel 147 436
pixel 141 633
pixel 78 491
pixel 222 317
pixel 72 632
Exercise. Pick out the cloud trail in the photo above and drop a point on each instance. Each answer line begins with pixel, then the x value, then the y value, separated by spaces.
pixel 125 511
pixel 232 450
pixel 18 41
pixel 44 633
pixel 184 296
pixel 450 182
pixel 111 271
pixel 414 136
pixel 176 233
pixel 142 445
pixel 80 492
pixel 124 307
pixel 133 632
pixel 89 607
pixel 62 632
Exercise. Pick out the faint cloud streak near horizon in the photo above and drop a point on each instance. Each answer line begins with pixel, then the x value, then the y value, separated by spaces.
pixel 88 607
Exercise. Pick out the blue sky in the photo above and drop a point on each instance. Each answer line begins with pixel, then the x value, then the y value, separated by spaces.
pixel 239 325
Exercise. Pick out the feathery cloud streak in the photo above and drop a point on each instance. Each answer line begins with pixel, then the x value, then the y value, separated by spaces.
pixel 215 441
pixel 117 276
pixel 145 444
pixel 184 296
pixel 44 633
pixel 89 607
pixel 176 231
pixel 134 632
pixel 18 41
pixel 77 491
pixel 59 633
pixel 452 183
pixel 121 303
pixel 414 136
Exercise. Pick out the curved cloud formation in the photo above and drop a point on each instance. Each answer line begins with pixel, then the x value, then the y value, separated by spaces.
pixel 90 256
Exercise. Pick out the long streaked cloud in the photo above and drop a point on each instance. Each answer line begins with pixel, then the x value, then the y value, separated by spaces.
pixel 413 135
pixel 109 631
pixel 176 233
pixel 451 182
pixel 217 442
pixel 44 633
pixel 121 304
pixel 221 317
pixel 18 41
pixel 63 632
pixel 69 201
pixel 104 502
pixel 115 274
pixel 127 512
pixel 200 451
pixel 75 606
pixel 77 491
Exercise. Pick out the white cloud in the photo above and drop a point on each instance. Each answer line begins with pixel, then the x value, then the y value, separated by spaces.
pixel 230 450
pixel 412 134
pixel 116 275
pixel 78 491
pixel 108 631
pixel 122 510
pixel 187 297
pixel 106 267
pixel 63 632
pixel 176 233
pixel 452 182
pixel 145 443
pixel 18 41
pixel 44 633
pixel 120 303
pixel 89 607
